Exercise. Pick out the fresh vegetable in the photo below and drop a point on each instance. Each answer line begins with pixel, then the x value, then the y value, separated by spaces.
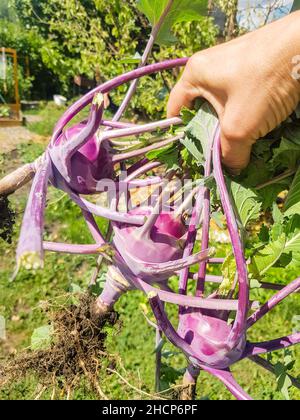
pixel 147 244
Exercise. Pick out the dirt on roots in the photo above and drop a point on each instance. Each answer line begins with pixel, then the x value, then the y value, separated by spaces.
pixel 7 220
pixel 77 349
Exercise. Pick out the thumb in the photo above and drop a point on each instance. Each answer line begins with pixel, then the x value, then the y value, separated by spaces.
pixel 182 95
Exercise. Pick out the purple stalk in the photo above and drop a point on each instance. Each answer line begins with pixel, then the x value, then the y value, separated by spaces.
pixel 137 165
pixel 187 301
pixel 101 211
pixel 216 261
pixel 140 129
pixel 239 326
pixel 115 124
pixel 129 155
pixel 205 225
pixel 158 359
pixel 170 267
pixel 144 59
pixel 30 247
pixel 110 85
pixel 142 170
pixel 253 349
pixel 209 278
pixel 228 380
pixel 93 227
pixel 94 249
pixel 142 183
pixel 190 242
pixel 274 301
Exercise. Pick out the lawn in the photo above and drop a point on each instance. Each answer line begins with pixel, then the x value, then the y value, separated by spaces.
pixel 132 341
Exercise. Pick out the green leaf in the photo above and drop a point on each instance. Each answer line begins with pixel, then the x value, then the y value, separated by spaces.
pixel 267 257
pixel 255 284
pixel 199 132
pixel 187 115
pixel 247 203
pixel 276 213
pixel 167 155
pixel 287 154
pixel 292 204
pixel 42 338
pixel 192 146
pixel 228 272
pixel 283 384
pixel 296 5
pixel 293 235
pixel 180 11
pixel 75 288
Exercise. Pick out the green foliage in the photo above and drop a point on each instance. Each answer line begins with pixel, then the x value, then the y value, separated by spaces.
pixel 4 111
pixel 199 131
pixel 180 11
pixel 296 5
pixel 292 204
pixel 247 203
pixel 98 39
pixel 254 191
pixel 29 46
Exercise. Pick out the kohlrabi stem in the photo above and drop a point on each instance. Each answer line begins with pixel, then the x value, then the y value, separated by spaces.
pixel 110 85
pixel 130 155
pixel 93 227
pixel 239 325
pixel 142 170
pixel 94 249
pixel 30 247
pixel 187 203
pixel 101 211
pixel 137 165
pixel 254 349
pixel 228 380
pixel 143 62
pixel 96 271
pixel 216 260
pixel 158 358
pixel 140 129
pixel 171 267
pixel 190 242
pixel 274 301
pixel 62 153
pixel 116 124
pixel 93 124
pixel 184 300
pixel 145 230
pixel 205 223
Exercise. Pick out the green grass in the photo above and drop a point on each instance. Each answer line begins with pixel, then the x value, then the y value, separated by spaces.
pixel 133 343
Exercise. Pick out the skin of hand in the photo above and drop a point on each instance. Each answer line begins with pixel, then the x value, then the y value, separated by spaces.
pixel 249 82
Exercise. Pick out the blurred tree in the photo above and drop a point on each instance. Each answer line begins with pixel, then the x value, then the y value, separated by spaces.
pixel 98 39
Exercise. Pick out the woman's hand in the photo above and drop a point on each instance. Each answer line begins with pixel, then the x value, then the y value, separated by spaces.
pixel 249 81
